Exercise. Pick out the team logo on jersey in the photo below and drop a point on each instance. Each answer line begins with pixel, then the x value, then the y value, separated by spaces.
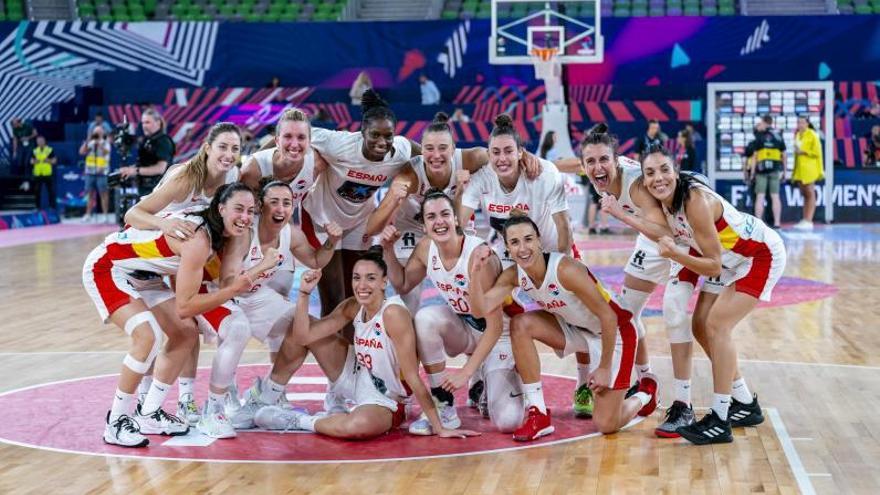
pixel 300 184
pixel 524 283
pixel 378 329
pixel 254 251
pixel 553 289
pixel 460 280
pixel 356 192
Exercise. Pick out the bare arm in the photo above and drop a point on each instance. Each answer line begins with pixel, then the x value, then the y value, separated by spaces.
pixel 473 159
pixel 485 296
pixel 143 214
pixel 157 168
pixel 563 229
pixel 194 254
pixel 311 257
pixel 404 279
pixel 306 331
pixel 652 223
pixel 402 186
pixel 701 214
pixel 570 166
pixel 400 329
pixel 574 277
pixel 251 174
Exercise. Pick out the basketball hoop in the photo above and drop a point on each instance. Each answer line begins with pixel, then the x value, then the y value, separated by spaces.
pixel 545 54
pixel 549 69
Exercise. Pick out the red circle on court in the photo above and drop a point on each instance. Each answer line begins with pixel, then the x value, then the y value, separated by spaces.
pixel 71 419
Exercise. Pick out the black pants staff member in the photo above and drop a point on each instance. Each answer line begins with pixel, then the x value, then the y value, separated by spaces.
pixel 155 154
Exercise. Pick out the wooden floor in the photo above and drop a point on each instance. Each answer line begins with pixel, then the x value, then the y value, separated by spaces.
pixel 815 365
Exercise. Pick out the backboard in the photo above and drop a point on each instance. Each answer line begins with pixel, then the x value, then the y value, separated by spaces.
pixel 522 27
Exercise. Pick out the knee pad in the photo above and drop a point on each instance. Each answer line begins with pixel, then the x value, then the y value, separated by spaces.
pixel 147 317
pixel 675 314
pixel 634 301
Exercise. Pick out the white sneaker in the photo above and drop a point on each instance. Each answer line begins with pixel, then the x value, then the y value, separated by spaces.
pixel 124 432
pixel 334 403
pixel 277 418
pixel 803 225
pixel 243 419
pixel 188 409
pixel 86 218
pixel 160 422
pixel 215 424
pixel 233 403
pixel 448 417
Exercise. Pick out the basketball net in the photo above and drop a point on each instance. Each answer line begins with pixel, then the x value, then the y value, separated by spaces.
pixel 549 69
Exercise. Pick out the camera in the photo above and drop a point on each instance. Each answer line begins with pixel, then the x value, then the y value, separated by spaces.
pixel 123 140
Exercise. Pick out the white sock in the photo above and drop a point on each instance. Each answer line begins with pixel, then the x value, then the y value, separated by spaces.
pixel 155 397
pixel 271 391
pixel 185 386
pixel 436 379
pixel 534 396
pixel 643 398
pixel 144 386
pixel 307 422
pixel 683 391
pixel 720 404
pixel 741 391
pixel 122 403
pixel 583 374
pixel 643 369
pixel 216 402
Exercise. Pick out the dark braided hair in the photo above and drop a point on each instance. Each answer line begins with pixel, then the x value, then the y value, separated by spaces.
pixel 504 127
pixel 375 109
pixel 213 220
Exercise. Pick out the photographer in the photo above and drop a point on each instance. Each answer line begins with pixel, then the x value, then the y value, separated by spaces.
pixel 155 154
pixel 96 151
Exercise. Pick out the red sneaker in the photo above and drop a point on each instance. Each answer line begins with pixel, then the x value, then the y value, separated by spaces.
pixel 535 426
pixel 648 385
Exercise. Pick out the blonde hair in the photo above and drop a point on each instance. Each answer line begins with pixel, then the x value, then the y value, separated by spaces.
pixel 195 171
pixel 292 114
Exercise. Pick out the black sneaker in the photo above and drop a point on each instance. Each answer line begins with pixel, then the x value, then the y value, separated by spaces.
pixel 678 415
pixel 745 414
pixel 475 393
pixel 710 429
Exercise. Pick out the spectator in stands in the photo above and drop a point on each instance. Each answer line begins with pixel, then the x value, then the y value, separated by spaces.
pixel 43 160
pixel 696 137
pixel 808 168
pixel 155 154
pixel 96 150
pixel 430 93
pixel 872 154
pixel 323 120
pixel 685 152
pixel 459 116
pixel 546 150
pixel 359 87
pixel 99 122
pixel 766 166
pixel 273 83
pixel 653 136
pixel 23 135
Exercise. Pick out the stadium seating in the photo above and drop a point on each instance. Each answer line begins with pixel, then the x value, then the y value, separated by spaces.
pixel 864 7
pixel 206 10
pixel 12 10
pixel 470 9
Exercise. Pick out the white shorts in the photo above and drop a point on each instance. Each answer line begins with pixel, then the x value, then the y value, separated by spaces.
pixel 269 314
pixel 111 288
pixel 646 264
pixel 711 285
pixel 356 384
pixel 405 246
pixel 582 340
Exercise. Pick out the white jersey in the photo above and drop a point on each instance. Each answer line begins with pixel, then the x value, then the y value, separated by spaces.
pixel 631 172
pixel 344 192
pixel 375 350
pixel 408 215
pixel 255 255
pixel 742 235
pixel 299 184
pixel 195 198
pixel 453 284
pixel 540 199
pixel 135 250
pixel 556 299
